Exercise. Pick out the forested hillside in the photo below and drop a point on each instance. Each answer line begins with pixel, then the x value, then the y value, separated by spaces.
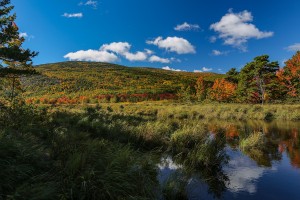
pixel 259 81
pixel 88 81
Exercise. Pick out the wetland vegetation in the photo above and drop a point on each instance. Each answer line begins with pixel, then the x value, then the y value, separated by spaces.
pixel 84 130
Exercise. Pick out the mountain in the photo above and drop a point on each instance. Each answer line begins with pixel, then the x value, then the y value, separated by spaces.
pixel 93 80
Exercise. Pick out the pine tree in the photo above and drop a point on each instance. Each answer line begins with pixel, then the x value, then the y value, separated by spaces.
pixel 258 81
pixel 14 60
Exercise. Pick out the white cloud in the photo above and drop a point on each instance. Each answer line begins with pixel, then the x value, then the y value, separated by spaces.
pixel 26 35
pixel 204 69
pixel 108 53
pixel 175 59
pixel 92 55
pixel 117 47
pixel 186 27
pixel 219 53
pixel 149 52
pixel 155 58
pixel 23 35
pixel 172 69
pixel 174 44
pixel 138 56
pixel 73 15
pixel 294 47
pixel 123 49
pixel 94 4
pixel 235 29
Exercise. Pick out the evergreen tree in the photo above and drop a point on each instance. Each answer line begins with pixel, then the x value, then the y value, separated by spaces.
pixel 14 60
pixel 258 81
pixel 232 75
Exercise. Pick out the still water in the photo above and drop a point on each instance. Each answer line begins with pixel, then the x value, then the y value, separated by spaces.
pixel 269 171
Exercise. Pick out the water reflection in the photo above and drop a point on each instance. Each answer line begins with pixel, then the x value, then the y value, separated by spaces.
pixel 220 168
pixel 243 172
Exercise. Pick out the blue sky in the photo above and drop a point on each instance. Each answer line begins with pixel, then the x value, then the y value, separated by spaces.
pixel 191 35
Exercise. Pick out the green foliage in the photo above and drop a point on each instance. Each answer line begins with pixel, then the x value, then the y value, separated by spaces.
pixel 232 75
pixel 10 49
pixel 15 61
pixel 257 80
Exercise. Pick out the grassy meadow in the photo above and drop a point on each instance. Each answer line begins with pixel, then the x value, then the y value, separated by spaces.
pixel 112 151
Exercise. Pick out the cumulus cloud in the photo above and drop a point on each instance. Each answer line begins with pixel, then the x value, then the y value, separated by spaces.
pixel 108 53
pixel 235 29
pixel 123 48
pixel 92 55
pixel 172 69
pixel 294 47
pixel 73 15
pixel 117 47
pixel 174 44
pixel 138 56
pixel 155 58
pixel 204 69
pixel 186 27
pixel 218 53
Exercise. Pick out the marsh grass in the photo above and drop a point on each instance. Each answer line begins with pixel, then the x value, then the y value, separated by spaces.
pixel 111 150
pixel 182 111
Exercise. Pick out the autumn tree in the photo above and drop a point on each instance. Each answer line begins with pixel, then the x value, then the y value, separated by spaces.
pixel 258 81
pixel 289 75
pixel 201 89
pixel 185 93
pixel 14 60
pixel 223 90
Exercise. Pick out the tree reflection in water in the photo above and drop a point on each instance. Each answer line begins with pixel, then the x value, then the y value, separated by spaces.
pixel 202 169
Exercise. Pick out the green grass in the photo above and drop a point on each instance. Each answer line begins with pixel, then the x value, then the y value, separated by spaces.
pixel 211 111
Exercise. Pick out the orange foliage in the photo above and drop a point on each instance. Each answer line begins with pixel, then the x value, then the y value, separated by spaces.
pixel 223 90
pixel 289 76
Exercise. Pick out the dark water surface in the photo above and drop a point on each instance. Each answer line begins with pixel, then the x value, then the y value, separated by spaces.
pixel 270 171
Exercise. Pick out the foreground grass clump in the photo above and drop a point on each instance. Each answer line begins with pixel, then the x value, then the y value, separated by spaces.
pixel 57 159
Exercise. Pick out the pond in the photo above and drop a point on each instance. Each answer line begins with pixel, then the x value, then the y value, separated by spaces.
pixel 229 169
